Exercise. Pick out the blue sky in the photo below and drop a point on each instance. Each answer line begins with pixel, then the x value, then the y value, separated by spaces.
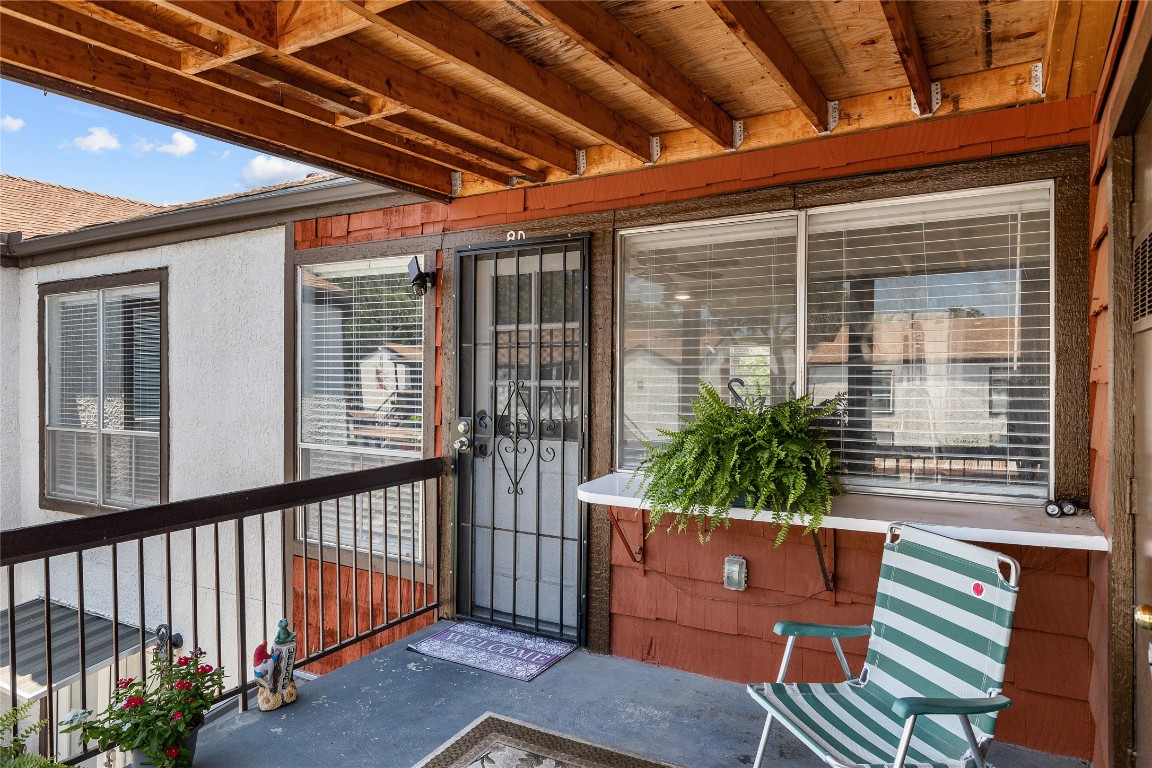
pixel 63 141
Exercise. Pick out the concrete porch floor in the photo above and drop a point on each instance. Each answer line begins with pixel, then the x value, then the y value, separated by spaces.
pixel 392 708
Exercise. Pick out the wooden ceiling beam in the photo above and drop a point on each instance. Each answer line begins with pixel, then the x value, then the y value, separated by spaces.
pixel 434 28
pixel 375 73
pixel 407 144
pixel 1060 47
pixel 203 47
pixel 898 13
pixel 252 20
pixel 756 32
pixel 303 23
pixel 187 102
pixel 600 33
pixel 351 106
pixel 370 70
pixel 66 21
pixel 406 124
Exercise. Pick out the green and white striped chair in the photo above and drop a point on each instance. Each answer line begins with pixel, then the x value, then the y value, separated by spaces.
pixel 930 688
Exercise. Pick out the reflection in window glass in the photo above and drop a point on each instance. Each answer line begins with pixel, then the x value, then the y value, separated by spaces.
pixel 361 400
pixel 932 319
pixel 102 431
pixel 708 302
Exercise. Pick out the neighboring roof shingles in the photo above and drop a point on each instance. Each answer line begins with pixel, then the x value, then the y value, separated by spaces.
pixel 38 208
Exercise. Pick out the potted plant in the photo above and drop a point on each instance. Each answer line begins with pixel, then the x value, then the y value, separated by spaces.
pixel 763 457
pixel 155 718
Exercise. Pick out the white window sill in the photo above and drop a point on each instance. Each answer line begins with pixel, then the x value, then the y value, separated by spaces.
pixel 965 520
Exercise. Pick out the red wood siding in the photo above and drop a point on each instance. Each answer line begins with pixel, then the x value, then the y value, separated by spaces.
pixel 674 611
pixel 353 615
pixel 969 137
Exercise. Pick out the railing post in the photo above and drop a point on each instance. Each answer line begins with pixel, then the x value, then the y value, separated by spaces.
pixel 241 618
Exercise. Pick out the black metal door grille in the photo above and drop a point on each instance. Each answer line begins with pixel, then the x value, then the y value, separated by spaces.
pixel 522 310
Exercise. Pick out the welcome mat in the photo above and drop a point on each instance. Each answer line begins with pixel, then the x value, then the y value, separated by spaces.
pixel 494 649
pixel 493 741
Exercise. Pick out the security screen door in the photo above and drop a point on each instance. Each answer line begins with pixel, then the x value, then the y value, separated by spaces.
pixel 520 435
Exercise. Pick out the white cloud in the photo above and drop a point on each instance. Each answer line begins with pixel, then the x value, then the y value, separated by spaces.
pixel 141 145
pixel 10 124
pixel 98 140
pixel 222 155
pixel 181 144
pixel 263 170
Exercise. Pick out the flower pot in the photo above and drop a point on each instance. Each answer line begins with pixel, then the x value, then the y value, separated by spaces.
pixel 138 759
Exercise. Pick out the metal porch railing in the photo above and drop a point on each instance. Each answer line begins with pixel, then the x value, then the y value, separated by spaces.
pixel 344 557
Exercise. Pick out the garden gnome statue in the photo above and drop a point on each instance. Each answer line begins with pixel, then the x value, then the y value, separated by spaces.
pixel 272 668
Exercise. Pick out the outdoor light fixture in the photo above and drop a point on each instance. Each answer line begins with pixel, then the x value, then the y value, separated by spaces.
pixel 421 280
pixel 682 297
pixel 735 573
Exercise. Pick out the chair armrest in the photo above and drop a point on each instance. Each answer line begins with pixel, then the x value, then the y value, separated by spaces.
pixel 800 629
pixel 916 705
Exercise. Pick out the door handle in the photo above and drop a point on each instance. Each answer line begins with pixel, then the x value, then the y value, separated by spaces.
pixel 1143 616
pixel 462 444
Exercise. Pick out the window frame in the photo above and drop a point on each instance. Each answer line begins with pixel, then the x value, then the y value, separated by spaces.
pixel 801 216
pixel 305 541
pixel 157 276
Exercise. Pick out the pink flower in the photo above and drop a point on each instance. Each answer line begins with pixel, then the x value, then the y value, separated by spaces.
pixel 177 715
pixel 132 702
pixel 182 685
pixel 204 668
pixel 124 682
pixel 172 751
pixel 183 661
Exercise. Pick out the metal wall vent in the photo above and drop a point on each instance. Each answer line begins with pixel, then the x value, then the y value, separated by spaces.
pixel 1142 280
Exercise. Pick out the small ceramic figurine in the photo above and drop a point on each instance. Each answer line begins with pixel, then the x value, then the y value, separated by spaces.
pixel 272 669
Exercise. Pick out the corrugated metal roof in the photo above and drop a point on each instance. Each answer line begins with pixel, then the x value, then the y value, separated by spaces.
pixel 30 661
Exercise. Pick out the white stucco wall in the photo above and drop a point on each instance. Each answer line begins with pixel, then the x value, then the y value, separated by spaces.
pixel 10 475
pixel 225 306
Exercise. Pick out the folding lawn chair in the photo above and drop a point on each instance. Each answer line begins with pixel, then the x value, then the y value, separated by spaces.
pixel 930 688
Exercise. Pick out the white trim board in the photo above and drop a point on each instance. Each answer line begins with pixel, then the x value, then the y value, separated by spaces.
pixel 965 520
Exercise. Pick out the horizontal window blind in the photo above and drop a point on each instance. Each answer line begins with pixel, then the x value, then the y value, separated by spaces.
pixel 932 319
pixel 708 302
pixel 103 360
pixel 361 398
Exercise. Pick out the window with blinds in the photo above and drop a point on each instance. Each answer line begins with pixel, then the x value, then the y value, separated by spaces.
pixel 103 394
pixel 929 316
pixel 932 318
pixel 707 302
pixel 361 397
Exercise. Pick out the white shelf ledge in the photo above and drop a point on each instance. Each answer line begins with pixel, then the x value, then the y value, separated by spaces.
pixel 965 520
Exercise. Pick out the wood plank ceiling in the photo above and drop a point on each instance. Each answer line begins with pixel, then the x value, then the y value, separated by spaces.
pixel 460 97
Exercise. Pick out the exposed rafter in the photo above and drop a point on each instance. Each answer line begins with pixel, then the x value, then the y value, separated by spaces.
pixel 202 47
pixel 898 13
pixel 371 71
pixel 436 29
pixel 598 31
pixel 763 40
pixel 1063 26
pixel 199 106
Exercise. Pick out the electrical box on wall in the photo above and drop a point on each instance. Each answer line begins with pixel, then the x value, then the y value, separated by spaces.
pixel 735 573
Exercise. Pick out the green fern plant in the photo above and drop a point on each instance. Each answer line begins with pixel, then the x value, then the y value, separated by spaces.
pixel 12 738
pixel 772 458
